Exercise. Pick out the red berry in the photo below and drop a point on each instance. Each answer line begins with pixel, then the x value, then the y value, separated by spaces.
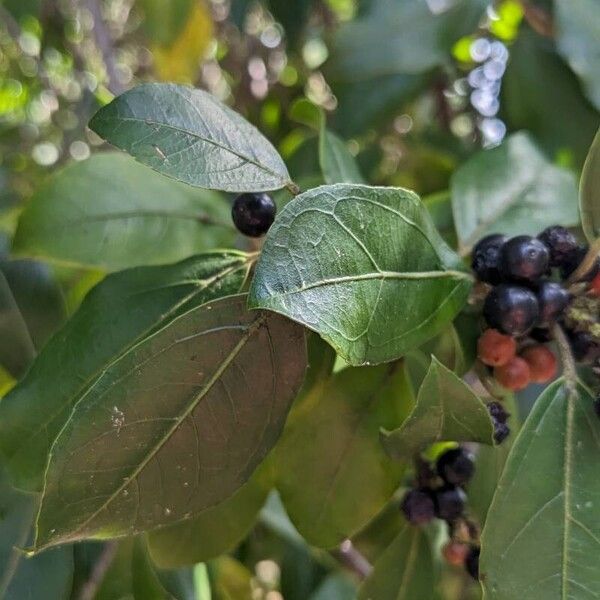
pixel 455 553
pixel 542 363
pixel 514 375
pixel 496 349
pixel 595 285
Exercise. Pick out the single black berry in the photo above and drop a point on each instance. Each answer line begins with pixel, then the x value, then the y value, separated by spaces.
pixel 472 562
pixel 543 335
pixel 585 348
pixel 485 259
pixel 524 259
pixel 573 260
pixel 450 502
pixel 512 309
pixel 501 431
pixel 253 214
pixel 560 241
pixel 553 298
pixel 456 466
pixel 418 506
pixel 497 412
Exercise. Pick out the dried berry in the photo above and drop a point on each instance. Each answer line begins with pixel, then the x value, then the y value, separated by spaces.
pixel 456 466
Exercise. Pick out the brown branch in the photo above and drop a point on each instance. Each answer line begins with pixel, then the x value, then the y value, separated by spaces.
pixel 90 588
pixel 352 559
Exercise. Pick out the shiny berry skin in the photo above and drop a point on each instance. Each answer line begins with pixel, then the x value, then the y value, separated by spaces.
pixel 418 507
pixel 584 346
pixel 456 466
pixel 595 285
pixel 573 260
pixel 253 214
pixel 497 412
pixel 511 309
pixel 472 563
pixel 501 432
pixel 560 241
pixel 450 503
pixel 543 365
pixel 455 553
pixel 495 349
pixel 553 299
pixel 524 259
pixel 485 258
pixel 514 375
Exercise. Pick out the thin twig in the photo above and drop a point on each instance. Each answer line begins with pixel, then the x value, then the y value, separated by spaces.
pixel 566 355
pixel 352 559
pixel 90 588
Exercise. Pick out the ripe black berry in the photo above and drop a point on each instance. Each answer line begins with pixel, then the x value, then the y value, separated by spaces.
pixel 472 563
pixel 450 502
pixel 456 466
pixel 560 241
pixel 585 348
pixel 418 507
pixel 501 431
pixel 497 412
pixel 524 258
pixel 512 309
pixel 553 299
pixel 486 258
pixel 573 260
pixel 253 214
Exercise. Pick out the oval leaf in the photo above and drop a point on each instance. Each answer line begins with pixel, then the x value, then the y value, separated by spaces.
pixel 446 410
pixel 174 426
pixel 135 217
pixel 542 533
pixel 189 135
pixel 337 164
pixel 331 447
pixel 117 313
pixel 589 192
pixel 362 266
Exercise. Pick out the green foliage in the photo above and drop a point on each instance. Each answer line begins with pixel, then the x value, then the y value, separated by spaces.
pixel 337 164
pixel 589 193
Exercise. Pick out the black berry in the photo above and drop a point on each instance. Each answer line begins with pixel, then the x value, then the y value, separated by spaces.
pixel 553 298
pixel 524 259
pixel 585 348
pixel 472 563
pixel 501 431
pixel 573 260
pixel 542 335
pixel 512 309
pixel 450 502
pixel 253 214
pixel 497 412
pixel 418 506
pixel 560 241
pixel 456 466
pixel 486 258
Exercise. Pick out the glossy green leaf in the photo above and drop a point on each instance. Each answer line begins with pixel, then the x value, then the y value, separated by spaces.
pixel 511 189
pixel 188 135
pixel 578 29
pixel 122 310
pixel 589 192
pixel 362 266
pixel 404 571
pixel 542 534
pixel 331 448
pixel 216 530
pixel 446 410
pixel 337 164
pixel 110 212
pixel 173 426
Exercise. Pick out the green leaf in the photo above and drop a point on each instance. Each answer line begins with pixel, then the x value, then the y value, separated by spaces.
pixel 578 29
pixel 337 164
pixel 136 217
pixel 335 587
pixel 362 266
pixel 511 189
pixel 162 23
pixel 446 410
pixel 188 135
pixel 542 534
pixel 404 571
pixel 589 192
pixel 330 448
pixel 122 310
pixel 173 426
pixel 216 530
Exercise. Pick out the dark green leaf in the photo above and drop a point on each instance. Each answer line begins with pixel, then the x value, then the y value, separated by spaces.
pixel 120 311
pixel 362 266
pixel 337 164
pixel 136 217
pixel 330 448
pixel 335 587
pixel 542 534
pixel 446 410
pixel 405 571
pixel 173 426
pixel 589 192
pixel 511 189
pixel 293 16
pixel 188 135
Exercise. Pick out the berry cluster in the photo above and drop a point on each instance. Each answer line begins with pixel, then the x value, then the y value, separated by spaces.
pixel 438 493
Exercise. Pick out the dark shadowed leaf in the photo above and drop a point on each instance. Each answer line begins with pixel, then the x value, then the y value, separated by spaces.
pixel 110 212
pixel 173 426
pixel 337 164
pixel 362 266
pixel 335 587
pixel 446 410
pixel 589 192
pixel 189 135
pixel 120 311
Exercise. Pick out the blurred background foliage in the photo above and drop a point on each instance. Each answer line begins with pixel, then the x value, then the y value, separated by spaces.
pixel 413 87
